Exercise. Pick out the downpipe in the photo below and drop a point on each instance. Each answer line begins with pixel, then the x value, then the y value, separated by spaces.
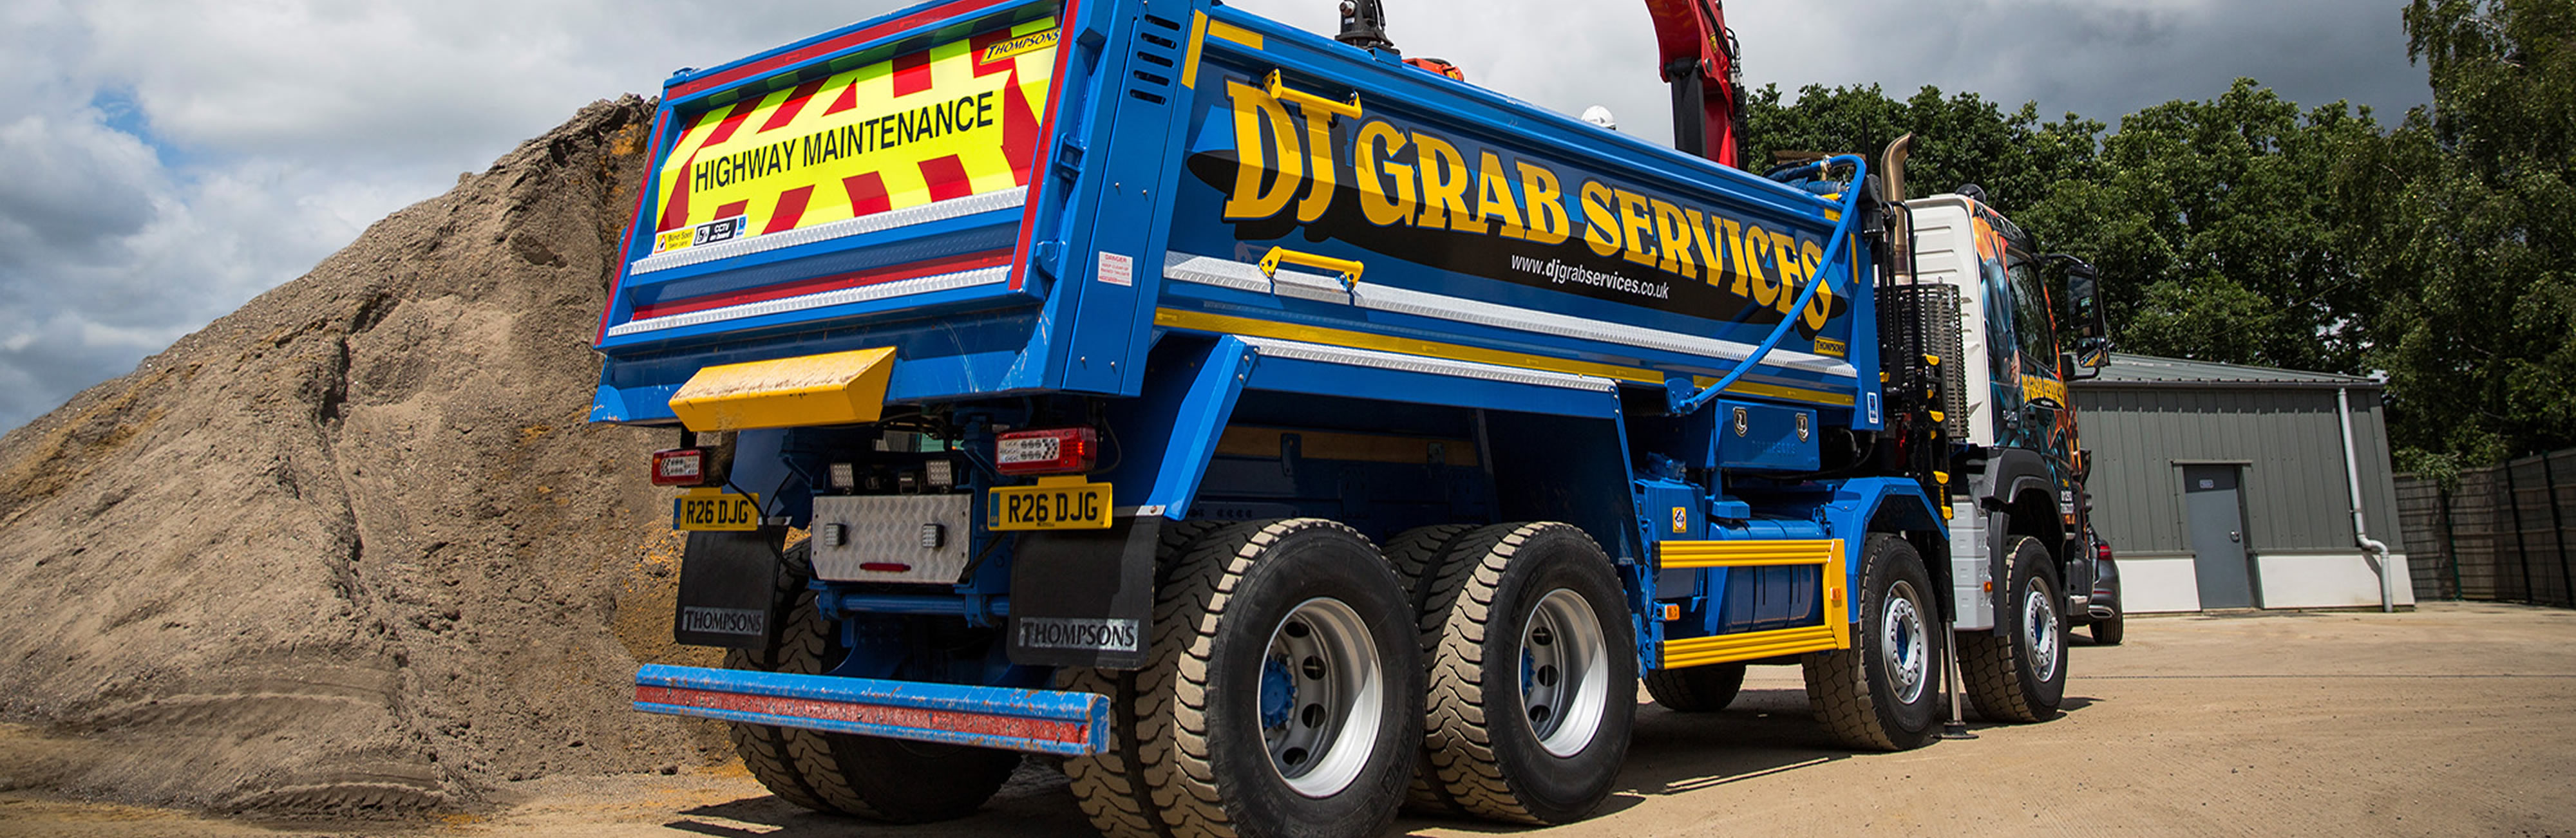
pixel 2360 532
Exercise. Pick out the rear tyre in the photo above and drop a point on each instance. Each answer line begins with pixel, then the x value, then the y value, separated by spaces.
pixel 1532 684
pixel 1881 695
pixel 2108 630
pixel 1280 695
pixel 880 779
pixel 1697 689
pixel 2017 672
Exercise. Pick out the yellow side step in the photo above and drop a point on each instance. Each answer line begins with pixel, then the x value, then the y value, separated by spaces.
pixel 1756 645
pixel 838 388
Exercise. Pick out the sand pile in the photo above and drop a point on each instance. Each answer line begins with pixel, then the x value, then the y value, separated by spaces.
pixel 352 547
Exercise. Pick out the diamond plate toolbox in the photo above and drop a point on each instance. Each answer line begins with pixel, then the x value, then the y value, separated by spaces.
pixel 891 538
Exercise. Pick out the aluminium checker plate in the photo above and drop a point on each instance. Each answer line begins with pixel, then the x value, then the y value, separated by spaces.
pixel 882 538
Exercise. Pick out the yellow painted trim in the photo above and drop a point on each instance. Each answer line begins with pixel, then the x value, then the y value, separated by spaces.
pixel 1754 645
pixel 1751 645
pixel 1198 41
pixel 838 388
pixel 1240 441
pixel 1237 34
pixel 1778 392
pixel 1775 553
pixel 1172 318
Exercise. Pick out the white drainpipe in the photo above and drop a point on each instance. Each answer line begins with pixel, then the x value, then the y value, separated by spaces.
pixel 2352 475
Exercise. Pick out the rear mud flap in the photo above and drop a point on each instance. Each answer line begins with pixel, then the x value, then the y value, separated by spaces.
pixel 1085 598
pixel 727 585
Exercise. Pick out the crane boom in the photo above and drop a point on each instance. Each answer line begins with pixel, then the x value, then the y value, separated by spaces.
pixel 1697 56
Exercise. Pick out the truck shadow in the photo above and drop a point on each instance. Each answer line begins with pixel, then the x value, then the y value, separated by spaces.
pixel 1765 732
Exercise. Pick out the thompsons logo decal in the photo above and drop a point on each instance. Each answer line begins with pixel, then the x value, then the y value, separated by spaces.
pixel 1636 245
pixel 954 120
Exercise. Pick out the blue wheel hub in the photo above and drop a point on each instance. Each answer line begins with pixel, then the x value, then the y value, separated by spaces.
pixel 1278 692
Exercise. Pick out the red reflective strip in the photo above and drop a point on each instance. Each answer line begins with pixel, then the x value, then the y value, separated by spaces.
pixel 885 567
pixel 984 41
pixel 1019 131
pixel 823 48
pixel 951 721
pixel 791 208
pixel 867 194
pixel 732 122
pixel 946 177
pixel 675 212
pixel 911 73
pixel 733 209
pixel 854 279
pixel 794 105
pixel 849 99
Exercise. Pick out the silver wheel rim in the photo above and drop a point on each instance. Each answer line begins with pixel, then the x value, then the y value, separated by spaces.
pixel 1565 672
pixel 1320 703
pixel 1901 645
pixel 2039 618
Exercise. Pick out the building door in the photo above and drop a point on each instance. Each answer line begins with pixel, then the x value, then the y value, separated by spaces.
pixel 2218 536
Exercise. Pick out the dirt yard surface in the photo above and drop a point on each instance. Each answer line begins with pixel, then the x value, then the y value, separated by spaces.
pixel 2454 720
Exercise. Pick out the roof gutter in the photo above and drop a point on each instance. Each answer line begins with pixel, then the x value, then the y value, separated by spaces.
pixel 2360 532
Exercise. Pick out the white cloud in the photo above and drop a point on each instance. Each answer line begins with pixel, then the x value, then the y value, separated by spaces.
pixel 169 160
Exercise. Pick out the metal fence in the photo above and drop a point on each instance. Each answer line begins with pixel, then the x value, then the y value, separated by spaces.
pixel 2501 533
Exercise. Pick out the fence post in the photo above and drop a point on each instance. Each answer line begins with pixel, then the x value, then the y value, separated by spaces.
pixel 2450 543
pixel 2557 527
pixel 2521 551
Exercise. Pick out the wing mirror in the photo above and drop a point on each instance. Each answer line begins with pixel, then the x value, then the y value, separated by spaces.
pixel 2090 327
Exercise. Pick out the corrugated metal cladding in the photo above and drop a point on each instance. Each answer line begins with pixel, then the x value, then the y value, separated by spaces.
pixel 2146 418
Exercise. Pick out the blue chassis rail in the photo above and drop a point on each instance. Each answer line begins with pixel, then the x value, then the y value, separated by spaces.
pixel 1044 721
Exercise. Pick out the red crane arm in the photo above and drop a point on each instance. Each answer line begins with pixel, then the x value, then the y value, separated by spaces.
pixel 1697 56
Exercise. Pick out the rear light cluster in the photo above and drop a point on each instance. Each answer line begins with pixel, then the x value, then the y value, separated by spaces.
pixel 1050 451
pixel 680 467
pixel 2102 550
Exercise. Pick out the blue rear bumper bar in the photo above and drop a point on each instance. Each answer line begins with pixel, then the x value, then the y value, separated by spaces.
pixel 1044 721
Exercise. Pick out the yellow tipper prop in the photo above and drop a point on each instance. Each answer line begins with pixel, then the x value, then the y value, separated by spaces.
pixel 836 389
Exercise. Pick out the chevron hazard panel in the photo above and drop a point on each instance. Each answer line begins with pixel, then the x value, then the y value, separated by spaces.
pixel 955 120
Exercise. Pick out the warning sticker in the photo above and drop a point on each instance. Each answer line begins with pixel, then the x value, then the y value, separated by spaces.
pixel 1117 269
pixel 955 120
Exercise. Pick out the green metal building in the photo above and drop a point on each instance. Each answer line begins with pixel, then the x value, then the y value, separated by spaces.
pixel 2226 486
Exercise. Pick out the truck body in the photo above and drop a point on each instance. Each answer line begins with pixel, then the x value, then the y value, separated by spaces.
pixel 1154 385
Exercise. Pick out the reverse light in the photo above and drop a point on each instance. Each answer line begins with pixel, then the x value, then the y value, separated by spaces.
pixel 680 467
pixel 1050 451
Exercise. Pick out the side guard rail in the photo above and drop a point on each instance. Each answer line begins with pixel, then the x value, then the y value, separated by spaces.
pixel 1044 721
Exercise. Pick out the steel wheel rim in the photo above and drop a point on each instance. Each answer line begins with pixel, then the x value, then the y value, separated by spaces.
pixel 2039 619
pixel 1901 643
pixel 1321 696
pixel 1565 673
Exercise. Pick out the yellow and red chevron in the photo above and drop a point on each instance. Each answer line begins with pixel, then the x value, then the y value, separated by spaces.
pixel 954 120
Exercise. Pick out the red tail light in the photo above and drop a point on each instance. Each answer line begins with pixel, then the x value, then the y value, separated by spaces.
pixel 2102 550
pixel 1051 451
pixel 680 467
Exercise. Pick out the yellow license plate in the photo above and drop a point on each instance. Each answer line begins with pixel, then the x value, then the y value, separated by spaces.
pixel 1068 505
pixel 715 512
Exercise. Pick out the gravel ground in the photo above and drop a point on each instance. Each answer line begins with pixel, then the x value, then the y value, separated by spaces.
pixel 2452 720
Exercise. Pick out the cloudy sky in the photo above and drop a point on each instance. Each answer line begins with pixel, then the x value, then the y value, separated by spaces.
pixel 166 160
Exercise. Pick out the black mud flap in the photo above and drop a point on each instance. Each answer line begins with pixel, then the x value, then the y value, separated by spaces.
pixel 728 584
pixel 1085 598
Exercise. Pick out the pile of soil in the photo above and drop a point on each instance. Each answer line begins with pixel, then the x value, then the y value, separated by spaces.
pixel 353 547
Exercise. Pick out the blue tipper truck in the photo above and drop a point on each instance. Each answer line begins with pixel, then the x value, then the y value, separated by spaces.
pixel 1280 433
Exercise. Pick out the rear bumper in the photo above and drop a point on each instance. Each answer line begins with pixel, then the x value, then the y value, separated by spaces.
pixel 1043 721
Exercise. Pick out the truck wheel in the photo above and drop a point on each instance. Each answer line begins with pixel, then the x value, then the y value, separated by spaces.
pixel 1696 689
pixel 1532 674
pixel 1281 695
pixel 2017 672
pixel 871 777
pixel 1882 694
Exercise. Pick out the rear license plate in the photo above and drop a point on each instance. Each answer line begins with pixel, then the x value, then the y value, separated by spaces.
pixel 1070 505
pixel 715 512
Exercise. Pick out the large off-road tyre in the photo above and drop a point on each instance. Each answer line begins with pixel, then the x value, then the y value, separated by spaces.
pixel 1696 689
pixel 1532 683
pixel 1883 693
pixel 871 777
pixel 1281 695
pixel 2017 672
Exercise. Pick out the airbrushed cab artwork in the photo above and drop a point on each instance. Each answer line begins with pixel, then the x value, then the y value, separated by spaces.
pixel 1280 431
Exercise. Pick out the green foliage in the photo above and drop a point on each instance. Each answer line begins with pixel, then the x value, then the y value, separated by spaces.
pixel 2440 252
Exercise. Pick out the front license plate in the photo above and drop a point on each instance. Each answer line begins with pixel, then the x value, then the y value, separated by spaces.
pixel 1063 506
pixel 715 513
